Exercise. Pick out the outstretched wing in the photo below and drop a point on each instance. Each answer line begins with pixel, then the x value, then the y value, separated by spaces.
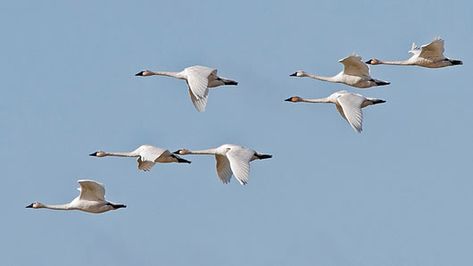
pixel 354 66
pixel 199 103
pixel 351 106
pixel 91 190
pixel 148 156
pixel 433 50
pixel 239 158
pixel 224 170
pixel 198 80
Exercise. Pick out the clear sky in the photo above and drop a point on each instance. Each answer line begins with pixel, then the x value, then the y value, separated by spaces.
pixel 400 193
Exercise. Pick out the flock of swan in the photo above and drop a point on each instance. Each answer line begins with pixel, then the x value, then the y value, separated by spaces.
pixel 234 160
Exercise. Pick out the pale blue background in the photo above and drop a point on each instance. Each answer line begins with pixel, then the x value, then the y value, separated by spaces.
pixel 398 194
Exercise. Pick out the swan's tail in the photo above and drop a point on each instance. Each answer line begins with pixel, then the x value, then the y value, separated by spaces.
pixel 229 81
pixel 116 206
pixel 263 156
pixel 380 82
pixel 456 62
pixel 180 160
pixel 376 101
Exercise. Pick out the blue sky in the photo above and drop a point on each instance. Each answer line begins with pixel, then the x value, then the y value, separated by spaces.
pixel 400 193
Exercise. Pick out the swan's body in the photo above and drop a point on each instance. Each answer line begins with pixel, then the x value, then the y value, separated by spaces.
pixel 91 199
pixel 355 73
pixel 349 106
pixel 231 160
pixel 147 156
pixel 199 79
pixel 428 55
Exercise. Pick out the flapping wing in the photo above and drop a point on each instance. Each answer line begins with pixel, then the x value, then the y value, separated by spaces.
pixel 351 105
pixel 199 103
pixel 433 50
pixel 224 170
pixel 144 165
pixel 91 190
pixel 354 66
pixel 148 156
pixel 239 158
pixel 198 80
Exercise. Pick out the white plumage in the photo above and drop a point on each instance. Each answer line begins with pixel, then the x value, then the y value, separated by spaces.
pixel 91 199
pixel 231 160
pixel 355 73
pixel 199 79
pixel 349 106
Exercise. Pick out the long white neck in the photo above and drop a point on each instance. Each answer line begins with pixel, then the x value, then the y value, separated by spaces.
pixel 122 154
pixel 208 152
pixel 57 206
pixel 396 63
pixel 330 79
pixel 316 100
pixel 168 74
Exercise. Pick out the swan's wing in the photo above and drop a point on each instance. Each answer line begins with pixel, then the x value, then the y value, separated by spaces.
pixel 145 165
pixel 148 156
pixel 414 49
pixel 354 66
pixel 224 171
pixel 351 105
pixel 433 50
pixel 198 80
pixel 239 159
pixel 91 190
pixel 199 103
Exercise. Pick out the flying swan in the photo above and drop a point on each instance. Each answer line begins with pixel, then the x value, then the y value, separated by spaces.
pixel 428 55
pixel 355 73
pixel 147 156
pixel 231 160
pixel 349 105
pixel 91 199
pixel 199 79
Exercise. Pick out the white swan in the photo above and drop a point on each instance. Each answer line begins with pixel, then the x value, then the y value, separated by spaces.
pixel 348 105
pixel 231 160
pixel 199 79
pixel 355 73
pixel 91 199
pixel 147 156
pixel 429 55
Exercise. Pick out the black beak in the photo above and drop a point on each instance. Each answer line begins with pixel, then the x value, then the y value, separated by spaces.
pixel 288 99
pixel 93 154
pixel 368 62
pixel 139 74
pixel 293 74
pixel 29 206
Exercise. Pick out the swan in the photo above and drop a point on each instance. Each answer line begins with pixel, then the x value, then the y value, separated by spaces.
pixel 231 160
pixel 348 104
pixel 91 199
pixel 355 73
pixel 199 79
pixel 147 156
pixel 428 55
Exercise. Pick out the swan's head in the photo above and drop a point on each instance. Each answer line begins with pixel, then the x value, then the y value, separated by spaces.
pixel 182 152
pixel 98 154
pixel 373 61
pixel 35 205
pixel 298 73
pixel 294 99
pixel 144 73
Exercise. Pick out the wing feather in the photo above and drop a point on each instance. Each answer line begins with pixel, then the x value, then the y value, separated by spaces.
pixel 91 190
pixel 433 50
pixel 354 66
pixel 351 106
pixel 224 170
pixel 239 158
